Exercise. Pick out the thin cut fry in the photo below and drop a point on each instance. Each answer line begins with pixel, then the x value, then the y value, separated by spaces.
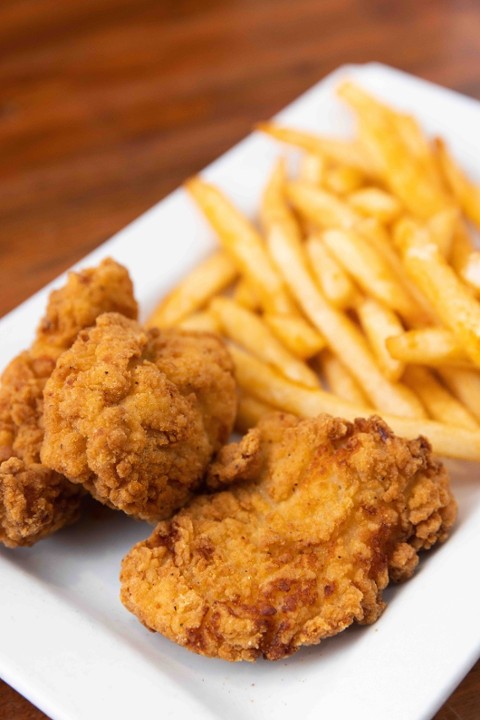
pixel 312 168
pixel 442 228
pixel 243 243
pixel 376 203
pixel 433 346
pixel 245 295
pixel 379 323
pixel 249 411
pixel 464 258
pixel 407 174
pixel 343 179
pixel 340 381
pixel 452 300
pixel 273 208
pixel 347 152
pixel 465 385
pixel 418 145
pixel 369 269
pixel 422 312
pixel 193 292
pixel 467 194
pixel 326 210
pixel 341 334
pixel 247 329
pixel 332 278
pixel 266 384
pixel 303 340
pixel 440 404
pixel 321 207
pixel 201 321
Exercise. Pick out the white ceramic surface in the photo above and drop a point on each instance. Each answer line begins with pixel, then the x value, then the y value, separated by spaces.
pixel 67 643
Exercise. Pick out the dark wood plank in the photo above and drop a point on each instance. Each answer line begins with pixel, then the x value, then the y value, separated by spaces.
pixel 107 105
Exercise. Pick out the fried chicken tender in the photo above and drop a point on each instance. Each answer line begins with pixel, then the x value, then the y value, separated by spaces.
pixel 328 513
pixel 36 501
pixel 135 415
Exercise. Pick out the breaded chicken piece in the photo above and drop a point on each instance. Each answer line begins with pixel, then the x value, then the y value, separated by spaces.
pixel 86 295
pixel 331 513
pixel 36 501
pixel 135 415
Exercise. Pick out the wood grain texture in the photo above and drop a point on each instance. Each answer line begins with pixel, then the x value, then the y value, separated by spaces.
pixel 107 105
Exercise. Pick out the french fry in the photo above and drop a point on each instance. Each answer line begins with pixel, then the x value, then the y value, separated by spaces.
pixel 328 211
pixel 466 193
pixel 470 271
pixel 243 243
pixel 298 336
pixel 452 300
pixel 339 380
pixel 200 321
pixel 421 312
pixel 274 211
pixel 342 336
pixel 245 295
pixel 465 385
pixel 379 323
pixel 418 145
pixel 346 152
pixel 249 411
pixel 193 292
pixel 271 387
pixel 321 207
pixel 312 168
pixel 340 333
pixel 248 330
pixel 330 275
pixel 376 203
pixel 343 179
pixel 464 258
pixel 442 228
pixel 273 208
pixel 405 173
pixel 440 404
pixel 433 346
pixel 367 106
pixel 368 268
pixel 261 381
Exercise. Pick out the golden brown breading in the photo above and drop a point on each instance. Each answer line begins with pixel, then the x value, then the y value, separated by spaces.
pixel 336 510
pixel 34 501
pixel 135 415
pixel 86 295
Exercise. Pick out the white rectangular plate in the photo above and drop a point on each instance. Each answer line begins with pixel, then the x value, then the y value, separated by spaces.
pixel 67 643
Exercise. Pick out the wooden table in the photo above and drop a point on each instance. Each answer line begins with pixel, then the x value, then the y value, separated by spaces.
pixel 107 105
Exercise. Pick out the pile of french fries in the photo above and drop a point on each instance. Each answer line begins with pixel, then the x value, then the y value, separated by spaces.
pixel 358 291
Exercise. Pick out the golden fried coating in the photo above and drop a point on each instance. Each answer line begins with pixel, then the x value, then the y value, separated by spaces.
pixel 36 501
pixel 86 295
pixel 135 415
pixel 298 554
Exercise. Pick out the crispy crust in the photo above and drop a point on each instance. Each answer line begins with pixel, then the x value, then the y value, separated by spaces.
pixel 135 415
pixel 300 553
pixel 34 501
